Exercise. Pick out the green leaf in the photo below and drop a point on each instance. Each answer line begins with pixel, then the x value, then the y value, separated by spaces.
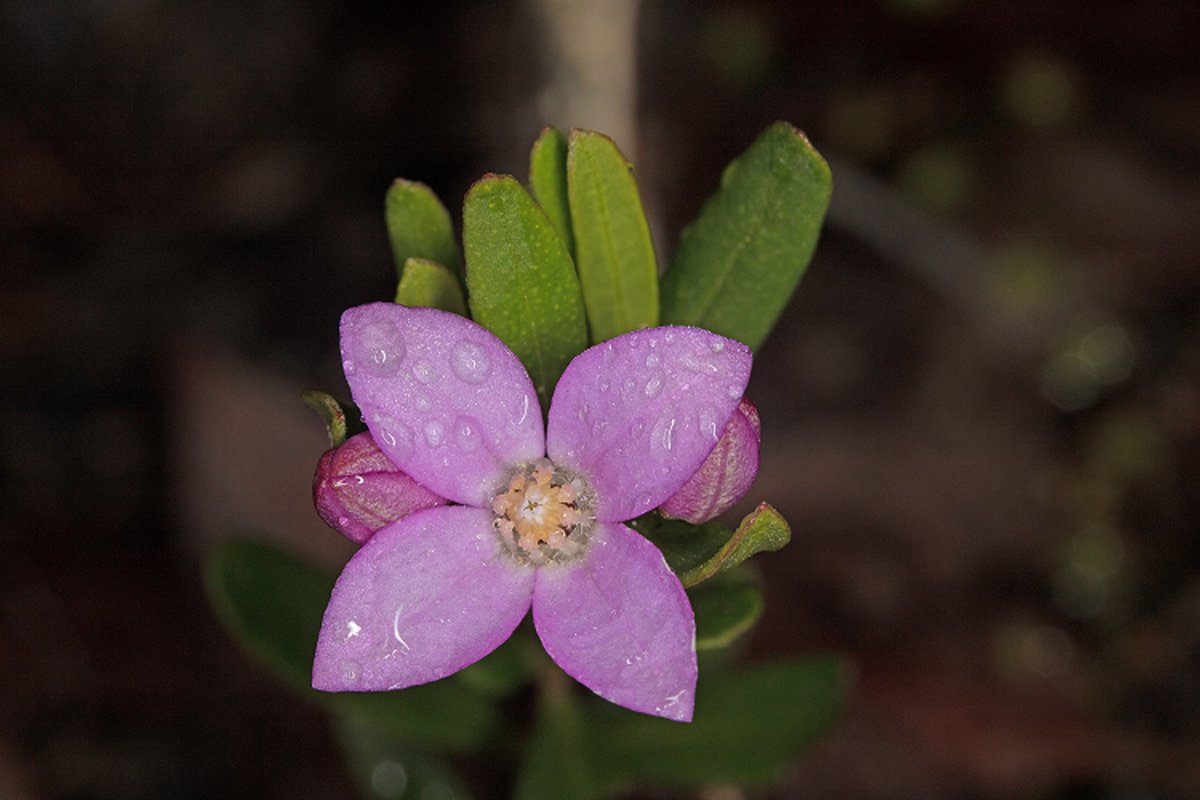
pixel 559 760
pixel 429 284
pixel 725 610
pixel 388 768
pixel 685 546
pixel 740 260
pixel 520 280
pixel 548 182
pixel 763 529
pixel 503 671
pixel 419 226
pixel 331 412
pixel 748 725
pixel 613 251
pixel 697 552
pixel 273 603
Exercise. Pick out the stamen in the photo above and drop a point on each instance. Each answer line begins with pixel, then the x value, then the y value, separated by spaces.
pixel 543 515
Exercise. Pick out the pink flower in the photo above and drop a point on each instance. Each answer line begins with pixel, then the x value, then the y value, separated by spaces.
pixel 539 523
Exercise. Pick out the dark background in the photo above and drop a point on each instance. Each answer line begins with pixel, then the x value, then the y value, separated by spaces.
pixel 981 411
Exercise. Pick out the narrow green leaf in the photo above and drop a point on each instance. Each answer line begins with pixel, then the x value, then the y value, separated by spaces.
pixel 685 546
pixel 748 726
pixel 331 412
pixel 613 251
pixel 419 226
pixel 763 529
pixel 521 283
pixel 548 182
pixel 559 759
pixel 697 552
pixel 273 603
pixel 740 260
pixel 429 284
pixel 725 610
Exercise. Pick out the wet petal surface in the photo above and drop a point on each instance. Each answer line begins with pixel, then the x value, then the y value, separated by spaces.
pixel 423 598
pixel 638 414
pixel 619 622
pixel 444 399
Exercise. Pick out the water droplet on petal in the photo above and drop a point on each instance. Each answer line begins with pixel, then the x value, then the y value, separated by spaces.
pixel 598 427
pixel 697 364
pixel 424 372
pixel 422 402
pixel 466 434
pixel 716 345
pixel 654 385
pixel 379 349
pixel 582 414
pixel 733 390
pixel 663 433
pixel 708 423
pixel 470 362
pixel 652 360
pixel 351 670
pixel 670 337
pixel 434 432
pixel 605 385
pixel 393 434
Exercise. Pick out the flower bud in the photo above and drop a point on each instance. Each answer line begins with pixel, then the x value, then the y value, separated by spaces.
pixel 357 490
pixel 725 476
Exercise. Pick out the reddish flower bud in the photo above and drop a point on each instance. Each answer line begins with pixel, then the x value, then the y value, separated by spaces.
pixel 726 475
pixel 357 490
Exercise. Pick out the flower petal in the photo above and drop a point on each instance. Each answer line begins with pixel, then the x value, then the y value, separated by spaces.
pixel 638 414
pixel 619 622
pixel 423 598
pixel 445 400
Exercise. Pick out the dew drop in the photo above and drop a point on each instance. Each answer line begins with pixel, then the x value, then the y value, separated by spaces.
pixel 424 372
pixel 351 670
pixel 708 423
pixel 598 428
pixel 716 345
pixel 470 363
pixel 733 390
pixel 422 402
pixel 653 386
pixel 663 433
pixel 696 364
pixel 434 432
pixel 669 337
pixel 652 360
pixel 466 434
pixel 379 349
pixel 605 385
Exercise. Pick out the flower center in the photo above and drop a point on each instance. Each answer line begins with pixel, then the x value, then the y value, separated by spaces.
pixel 544 514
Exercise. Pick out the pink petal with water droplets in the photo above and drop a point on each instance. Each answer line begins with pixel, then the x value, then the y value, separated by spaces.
pixel 638 414
pixel 357 490
pixel 444 399
pixel 619 622
pixel 725 476
pixel 425 597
